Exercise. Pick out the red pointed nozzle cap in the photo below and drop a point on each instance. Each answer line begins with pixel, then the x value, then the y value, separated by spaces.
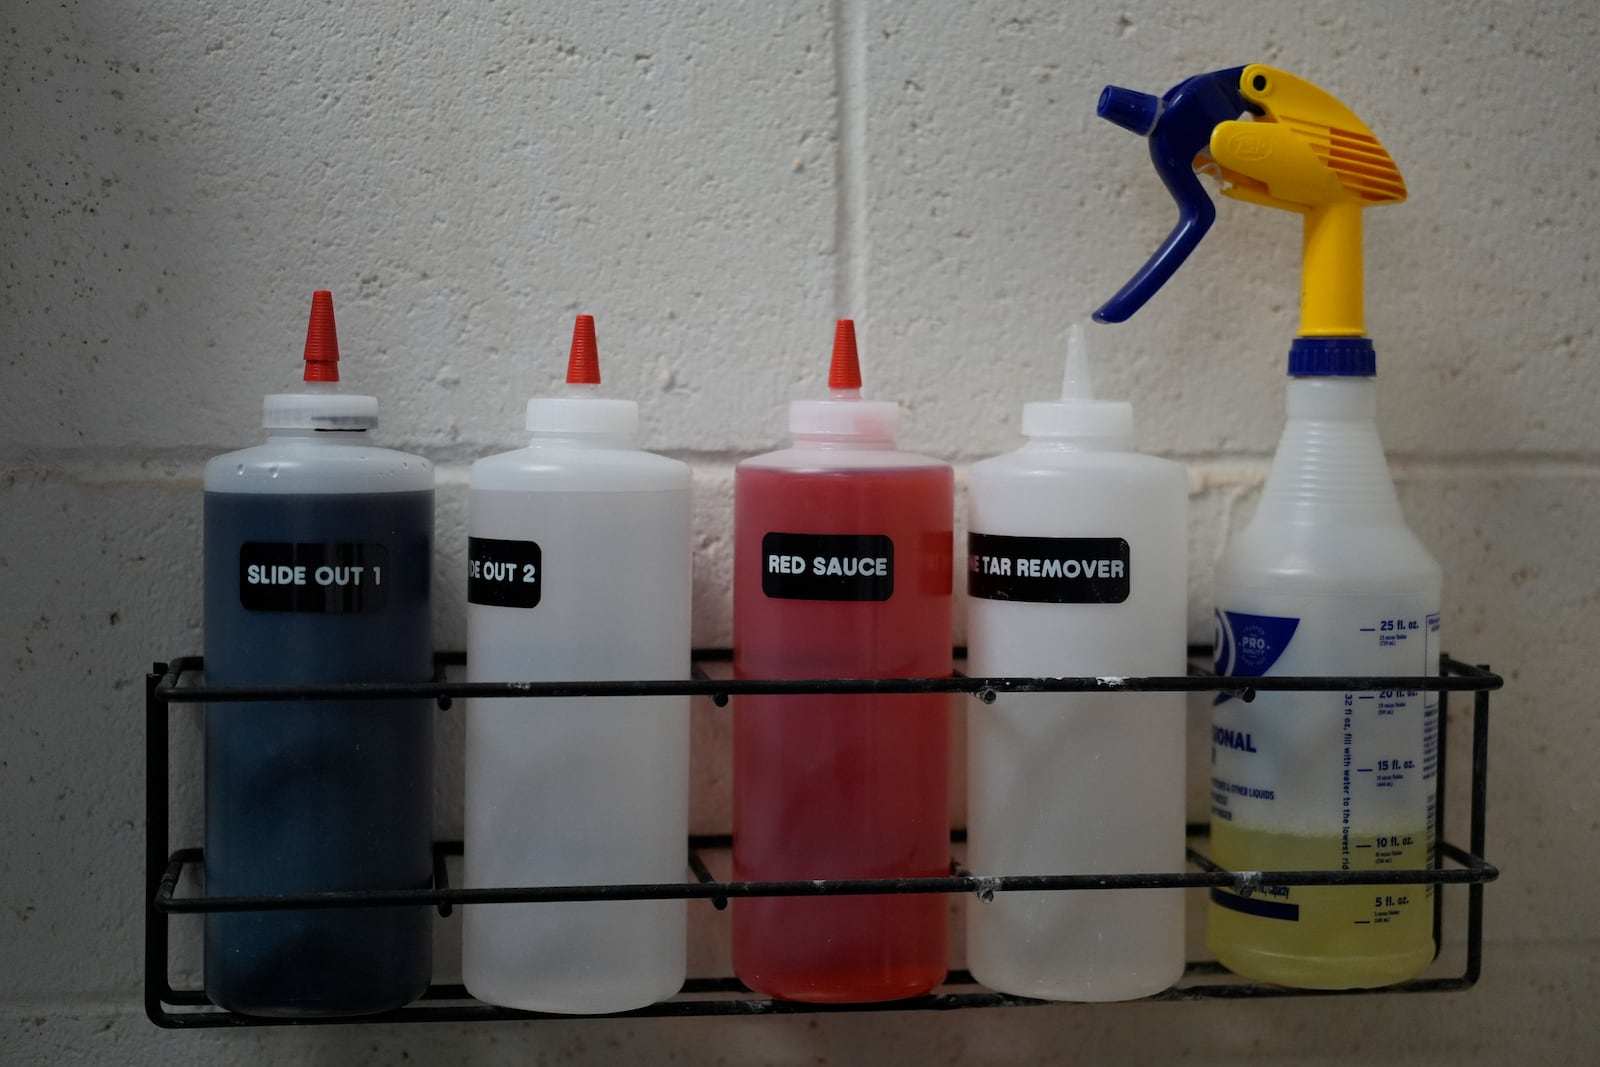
pixel 322 340
pixel 845 370
pixel 583 366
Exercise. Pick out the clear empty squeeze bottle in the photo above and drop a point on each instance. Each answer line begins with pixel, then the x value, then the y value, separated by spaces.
pixel 579 569
pixel 318 557
pixel 842 569
pixel 1077 565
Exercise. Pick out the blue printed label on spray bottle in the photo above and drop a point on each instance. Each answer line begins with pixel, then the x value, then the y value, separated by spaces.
pixel 1248 645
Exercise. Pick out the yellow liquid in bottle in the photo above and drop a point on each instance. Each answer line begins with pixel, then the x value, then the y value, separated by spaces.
pixel 1340 937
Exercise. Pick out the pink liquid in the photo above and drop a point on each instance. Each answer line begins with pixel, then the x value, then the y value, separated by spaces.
pixel 842 786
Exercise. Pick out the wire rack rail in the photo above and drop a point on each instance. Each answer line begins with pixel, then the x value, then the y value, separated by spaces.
pixel 171 685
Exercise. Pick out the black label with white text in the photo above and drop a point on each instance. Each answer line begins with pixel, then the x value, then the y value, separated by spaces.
pixel 1048 570
pixel 797 566
pixel 321 577
pixel 503 574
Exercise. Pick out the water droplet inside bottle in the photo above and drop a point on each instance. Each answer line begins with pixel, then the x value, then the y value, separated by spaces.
pixel 240 470
pixel 273 470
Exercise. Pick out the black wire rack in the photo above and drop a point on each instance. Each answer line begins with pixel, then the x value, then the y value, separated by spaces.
pixel 178 682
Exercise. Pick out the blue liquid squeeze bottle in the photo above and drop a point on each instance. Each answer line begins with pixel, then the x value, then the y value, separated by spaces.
pixel 318 555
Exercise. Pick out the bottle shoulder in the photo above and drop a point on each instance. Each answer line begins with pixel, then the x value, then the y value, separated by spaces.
pixel 312 465
pixel 564 468
pixel 1032 464
pixel 1328 520
pixel 1081 494
pixel 813 459
pixel 1338 560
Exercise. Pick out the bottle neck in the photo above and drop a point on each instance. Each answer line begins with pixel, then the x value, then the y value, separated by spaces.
pixel 1048 443
pixel 284 435
pixel 580 418
pixel 1329 468
pixel 579 439
pixel 843 442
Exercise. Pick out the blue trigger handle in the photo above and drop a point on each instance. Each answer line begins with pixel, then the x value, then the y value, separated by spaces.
pixel 1179 127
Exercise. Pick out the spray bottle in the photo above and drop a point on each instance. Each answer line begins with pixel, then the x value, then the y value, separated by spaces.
pixel 579 569
pixel 842 569
pixel 1076 565
pixel 318 556
pixel 1326 579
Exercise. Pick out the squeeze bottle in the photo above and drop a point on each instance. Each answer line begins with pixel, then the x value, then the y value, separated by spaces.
pixel 318 558
pixel 1077 565
pixel 842 569
pixel 1326 579
pixel 579 569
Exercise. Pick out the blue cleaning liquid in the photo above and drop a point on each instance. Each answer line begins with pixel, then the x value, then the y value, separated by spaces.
pixel 310 796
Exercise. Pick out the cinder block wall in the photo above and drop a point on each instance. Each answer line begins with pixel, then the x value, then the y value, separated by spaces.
pixel 716 182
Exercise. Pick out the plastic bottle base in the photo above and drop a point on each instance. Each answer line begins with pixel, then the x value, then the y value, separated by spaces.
pixel 1079 988
pixel 901 985
pixel 1324 972
pixel 318 976
pixel 312 1009
pixel 572 999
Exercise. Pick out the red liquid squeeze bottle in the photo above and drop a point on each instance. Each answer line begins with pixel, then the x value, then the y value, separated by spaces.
pixel 841 570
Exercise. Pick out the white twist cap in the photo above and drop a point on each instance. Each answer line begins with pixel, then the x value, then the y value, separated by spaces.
pixel 846 415
pixel 319 411
pixel 577 413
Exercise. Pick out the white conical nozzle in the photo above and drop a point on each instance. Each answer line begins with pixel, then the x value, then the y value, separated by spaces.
pixel 1076 383
pixel 1078 414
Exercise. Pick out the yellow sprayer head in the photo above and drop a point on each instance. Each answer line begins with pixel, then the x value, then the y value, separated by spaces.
pixel 1273 139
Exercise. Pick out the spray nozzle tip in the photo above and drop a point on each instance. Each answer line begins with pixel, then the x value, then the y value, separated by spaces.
pixel 1132 110
pixel 845 370
pixel 583 365
pixel 1076 384
pixel 322 340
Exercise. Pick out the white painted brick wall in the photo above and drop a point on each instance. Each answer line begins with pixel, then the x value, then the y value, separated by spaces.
pixel 715 182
